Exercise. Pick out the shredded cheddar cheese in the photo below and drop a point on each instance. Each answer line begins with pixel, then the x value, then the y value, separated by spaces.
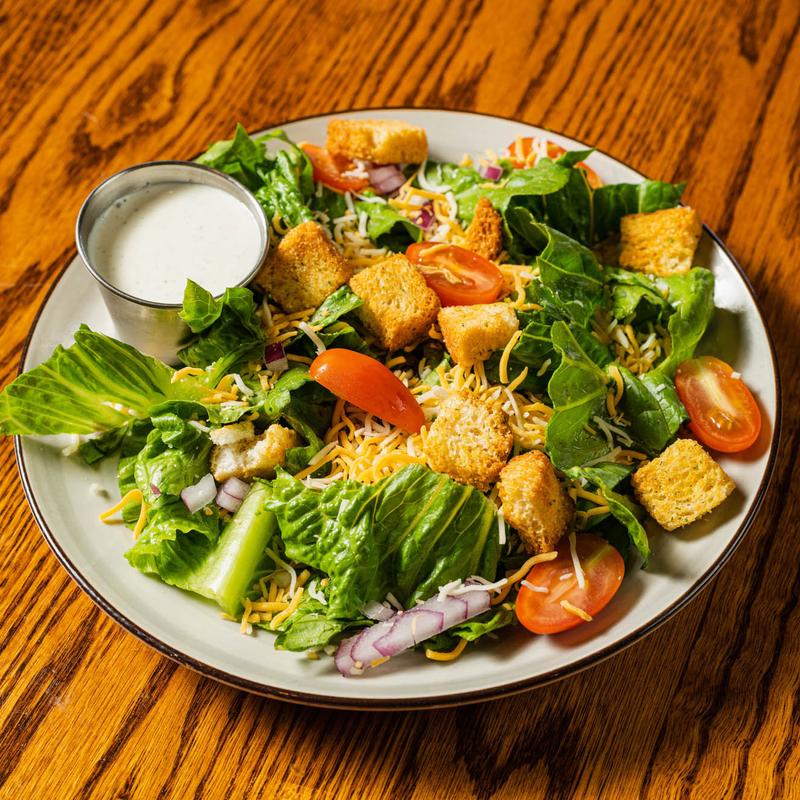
pixel 450 655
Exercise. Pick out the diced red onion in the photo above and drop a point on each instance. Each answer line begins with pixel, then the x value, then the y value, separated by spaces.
pixel 386 179
pixel 236 488
pixel 155 490
pixel 200 495
pixel 275 357
pixel 425 218
pixel 491 172
pixel 378 611
pixel 228 501
pixel 408 628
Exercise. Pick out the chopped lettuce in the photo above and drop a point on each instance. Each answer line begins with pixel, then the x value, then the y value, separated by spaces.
pixel 94 385
pixel 387 228
pixel 188 551
pixel 228 330
pixel 408 534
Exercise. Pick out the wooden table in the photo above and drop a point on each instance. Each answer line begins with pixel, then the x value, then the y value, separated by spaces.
pixel 709 92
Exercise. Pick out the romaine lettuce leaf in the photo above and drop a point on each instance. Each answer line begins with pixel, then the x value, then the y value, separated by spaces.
pixel 614 201
pixel 81 388
pixel 311 627
pixel 408 534
pixel 187 550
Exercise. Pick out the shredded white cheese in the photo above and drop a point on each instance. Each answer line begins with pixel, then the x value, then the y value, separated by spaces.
pixel 319 345
pixel 576 562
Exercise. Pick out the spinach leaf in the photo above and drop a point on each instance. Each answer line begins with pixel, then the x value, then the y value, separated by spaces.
pixel 692 296
pixel 578 392
pixel 605 477
pixel 612 202
pixel 79 388
pixel 229 332
pixel 409 534
pixel 635 294
pixel 651 405
pixel 240 157
pixel 387 228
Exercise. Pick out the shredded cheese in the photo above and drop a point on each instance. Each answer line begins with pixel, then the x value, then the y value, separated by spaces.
pixel 576 562
pixel 503 367
pixel 450 655
pixel 133 496
pixel 578 612
pixel 185 372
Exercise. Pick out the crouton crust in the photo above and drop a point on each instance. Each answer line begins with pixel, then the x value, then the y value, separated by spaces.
pixel 398 308
pixel 683 484
pixel 485 232
pixel 388 141
pixel 472 333
pixel 534 502
pixel 303 269
pixel 252 457
pixel 470 441
pixel 660 243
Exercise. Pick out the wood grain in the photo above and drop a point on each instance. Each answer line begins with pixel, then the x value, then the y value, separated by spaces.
pixel 709 92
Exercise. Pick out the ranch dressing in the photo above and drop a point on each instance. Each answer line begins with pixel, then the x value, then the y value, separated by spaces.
pixel 150 241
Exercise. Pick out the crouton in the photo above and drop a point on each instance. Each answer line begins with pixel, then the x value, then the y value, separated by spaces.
pixel 681 485
pixel 470 441
pixel 485 232
pixel 303 269
pixel 382 141
pixel 472 333
pixel 399 308
pixel 660 243
pixel 534 501
pixel 238 456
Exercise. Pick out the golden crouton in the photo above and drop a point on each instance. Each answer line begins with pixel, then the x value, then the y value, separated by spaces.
pixel 470 441
pixel 472 333
pixel 303 269
pixel 534 501
pixel 485 232
pixel 238 456
pixel 399 308
pixel 660 243
pixel 681 485
pixel 382 141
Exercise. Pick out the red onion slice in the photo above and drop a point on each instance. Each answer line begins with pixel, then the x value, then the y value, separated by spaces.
pixel 275 357
pixel 425 218
pixel 227 501
pixel 378 611
pixel 408 628
pixel 155 490
pixel 386 179
pixel 200 495
pixel 491 172
pixel 236 488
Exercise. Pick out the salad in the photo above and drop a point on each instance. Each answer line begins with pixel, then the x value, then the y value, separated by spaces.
pixel 445 407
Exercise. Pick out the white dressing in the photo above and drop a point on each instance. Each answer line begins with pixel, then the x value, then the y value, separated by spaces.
pixel 150 241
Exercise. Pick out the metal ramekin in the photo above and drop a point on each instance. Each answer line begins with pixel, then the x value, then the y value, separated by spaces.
pixel 155 328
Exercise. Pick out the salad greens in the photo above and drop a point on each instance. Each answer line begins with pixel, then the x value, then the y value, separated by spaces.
pixel 414 531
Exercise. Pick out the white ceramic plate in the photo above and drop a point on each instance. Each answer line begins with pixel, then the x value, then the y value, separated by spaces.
pixel 190 630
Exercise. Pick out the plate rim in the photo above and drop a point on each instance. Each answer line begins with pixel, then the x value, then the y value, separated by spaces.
pixel 439 701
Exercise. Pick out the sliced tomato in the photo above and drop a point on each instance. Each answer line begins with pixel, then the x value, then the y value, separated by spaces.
pixel 328 170
pixel 460 277
pixel 722 412
pixel 368 384
pixel 521 148
pixel 603 571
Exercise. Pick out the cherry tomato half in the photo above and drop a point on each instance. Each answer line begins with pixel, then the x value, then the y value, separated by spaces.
pixel 521 149
pixel 328 170
pixel 460 277
pixel 368 384
pixel 723 414
pixel 603 570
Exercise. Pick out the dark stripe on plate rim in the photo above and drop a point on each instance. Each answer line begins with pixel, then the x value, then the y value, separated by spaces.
pixel 439 701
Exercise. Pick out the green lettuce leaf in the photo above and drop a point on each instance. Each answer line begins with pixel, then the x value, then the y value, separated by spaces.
pixel 614 201
pixel 228 330
pixel 408 534
pixel 692 296
pixel 387 228
pixel 311 627
pixel 79 388
pixel 335 306
pixel 187 550
pixel 578 393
